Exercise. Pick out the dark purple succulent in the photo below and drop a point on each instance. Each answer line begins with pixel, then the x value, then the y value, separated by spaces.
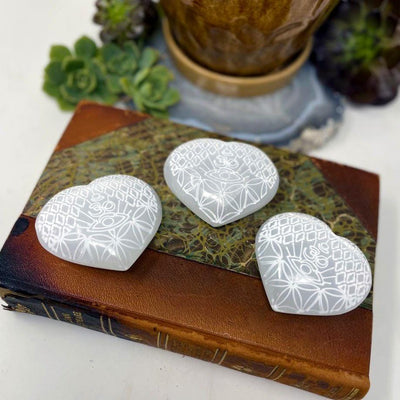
pixel 125 19
pixel 357 50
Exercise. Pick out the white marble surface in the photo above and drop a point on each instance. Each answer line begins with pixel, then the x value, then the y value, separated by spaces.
pixel 44 359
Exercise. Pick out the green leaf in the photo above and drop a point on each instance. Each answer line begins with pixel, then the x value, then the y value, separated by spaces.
pixel 85 47
pixel 127 86
pixel 98 68
pixel 171 97
pixel 109 51
pixel 71 64
pixel 154 105
pixel 113 84
pixel 50 88
pixel 158 113
pixel 103 95
pixel 141 76
pixel 119 11
pixel 122 64
pixel 162 71
pixel 58 52
pixel 132 49
pixel 54 73
pixel 84 80
pixel 71 94
pixel 65 105
pixel 138 102
pixel 148 58
pixel 159 85
pixel 146 90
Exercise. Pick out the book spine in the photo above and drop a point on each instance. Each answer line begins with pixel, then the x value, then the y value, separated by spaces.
pixel 153 336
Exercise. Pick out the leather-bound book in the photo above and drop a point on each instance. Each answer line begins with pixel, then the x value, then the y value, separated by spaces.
pixel 196 289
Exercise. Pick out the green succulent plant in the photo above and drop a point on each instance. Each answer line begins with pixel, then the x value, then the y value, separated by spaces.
pixel 150 90
pixel 107 74
pixel 125 19
pixel 357 51
pixel 125 61
pixel 119 62
pixel 71 78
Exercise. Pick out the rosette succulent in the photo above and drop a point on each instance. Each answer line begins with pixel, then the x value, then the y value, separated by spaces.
pixel 108 74
pixel 119 62
pixel 125 61
pixel 125 19
pixel 150 90
pixel 71 78
pixel 357 51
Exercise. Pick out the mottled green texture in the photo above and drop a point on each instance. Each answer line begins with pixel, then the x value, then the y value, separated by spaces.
pixel 141 150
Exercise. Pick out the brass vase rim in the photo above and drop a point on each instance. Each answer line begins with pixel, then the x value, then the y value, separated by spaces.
pixel 230 85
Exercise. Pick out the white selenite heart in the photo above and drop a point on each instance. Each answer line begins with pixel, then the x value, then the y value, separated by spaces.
pixel 307 269
pixel 106 224
pixel 221 182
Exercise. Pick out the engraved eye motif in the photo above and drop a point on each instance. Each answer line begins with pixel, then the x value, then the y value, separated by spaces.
pixel 306 270
pixel 109 221
pixel 224 175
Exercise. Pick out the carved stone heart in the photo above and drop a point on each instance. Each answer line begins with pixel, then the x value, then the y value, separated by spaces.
pixel 221 182
pixel 106 224
pixel 307 269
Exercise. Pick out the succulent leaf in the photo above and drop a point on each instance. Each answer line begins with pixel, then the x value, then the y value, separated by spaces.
pixel 114 84
pixel 109 51
pixel 71 64
pixel 141 76
pixel 171 97
pixel 65 105
pixel 150 90
pixel 85 47
pixel 103 95
pixel 71 94
pixel 122 65
pixel 98 68
pixel 127 85
pixel 54 73
pixel 148 58
pixel 50 88
pixel 58 52
pixel 160 113
pixel 132 49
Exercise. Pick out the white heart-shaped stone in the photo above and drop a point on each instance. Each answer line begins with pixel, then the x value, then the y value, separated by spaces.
pixel 106 224
pixel 307 269
pixel 221 182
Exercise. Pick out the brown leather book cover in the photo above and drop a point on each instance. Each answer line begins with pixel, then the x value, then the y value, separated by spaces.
pixel 196 289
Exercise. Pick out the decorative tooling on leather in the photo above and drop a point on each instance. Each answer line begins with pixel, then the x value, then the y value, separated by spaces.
pixel 141 150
